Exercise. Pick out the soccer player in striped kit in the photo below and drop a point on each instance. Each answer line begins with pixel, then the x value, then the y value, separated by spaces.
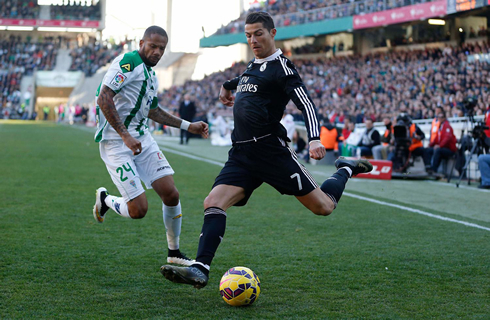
pixel 126 99
pixel 260 151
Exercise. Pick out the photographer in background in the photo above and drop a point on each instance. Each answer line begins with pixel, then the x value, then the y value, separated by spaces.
pixel 369 139
pixel 382 151
pixel 408 143
pixel 444 144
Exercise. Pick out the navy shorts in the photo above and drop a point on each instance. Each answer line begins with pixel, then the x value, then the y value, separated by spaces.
pixel 268 160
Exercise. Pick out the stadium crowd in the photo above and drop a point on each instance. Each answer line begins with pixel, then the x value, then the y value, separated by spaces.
pixel 76 11
pixel 19 58
pixel 296 12
pixel 19 9
pixel 91 57
pixel 371 86
pixel 29 9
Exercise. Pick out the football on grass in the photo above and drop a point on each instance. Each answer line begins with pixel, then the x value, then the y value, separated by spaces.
pixel 239 286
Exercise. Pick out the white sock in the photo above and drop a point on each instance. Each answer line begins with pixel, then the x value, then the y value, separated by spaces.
pixel 348 170
pixel 172 218
pixel 118 205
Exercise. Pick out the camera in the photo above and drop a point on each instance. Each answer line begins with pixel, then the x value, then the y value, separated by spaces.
pixel 478 131
pixel 401 132
pixel 469 103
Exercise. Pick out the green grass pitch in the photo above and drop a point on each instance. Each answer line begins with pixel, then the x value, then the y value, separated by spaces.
pixel 366 260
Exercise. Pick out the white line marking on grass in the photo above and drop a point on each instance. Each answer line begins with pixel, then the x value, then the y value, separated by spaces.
pixel 427 214
pixel 221 164
pixel 435 216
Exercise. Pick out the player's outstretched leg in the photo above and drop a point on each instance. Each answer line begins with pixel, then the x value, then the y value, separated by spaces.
pixel 100 208
pixel 356 165
pixel 186 275
pixel 104 201
pixel 334 186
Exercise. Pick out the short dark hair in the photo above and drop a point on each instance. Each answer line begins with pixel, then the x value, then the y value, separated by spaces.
pixel 155 29
pixel 262 17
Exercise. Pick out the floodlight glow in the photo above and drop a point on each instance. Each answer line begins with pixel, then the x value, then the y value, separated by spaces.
pixel 53 29
pixel 20 28
pixel 437 22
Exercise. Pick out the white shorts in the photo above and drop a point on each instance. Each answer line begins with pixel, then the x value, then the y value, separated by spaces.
pixel 127 170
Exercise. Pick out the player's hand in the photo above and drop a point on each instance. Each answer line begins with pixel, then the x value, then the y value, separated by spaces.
pixel 133 144
pixel 199 127
pixel 317 150
pixel 226 97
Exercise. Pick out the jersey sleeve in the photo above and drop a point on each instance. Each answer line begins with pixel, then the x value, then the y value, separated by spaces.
pixel 297 92
pixel 231 84
pixel 116 77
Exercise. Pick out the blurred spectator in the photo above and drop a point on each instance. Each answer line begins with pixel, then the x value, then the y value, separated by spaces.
pixel 484 165
pixel 444 145
pixel 187 111
pixel 381 151
pixel 369 139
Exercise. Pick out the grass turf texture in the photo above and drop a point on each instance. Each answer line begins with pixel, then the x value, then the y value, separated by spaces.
pixel 363 261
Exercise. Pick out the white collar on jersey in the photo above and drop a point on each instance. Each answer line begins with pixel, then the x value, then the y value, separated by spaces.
pixel 269 58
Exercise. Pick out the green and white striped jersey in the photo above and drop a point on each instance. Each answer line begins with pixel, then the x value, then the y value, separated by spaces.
pixel 135 86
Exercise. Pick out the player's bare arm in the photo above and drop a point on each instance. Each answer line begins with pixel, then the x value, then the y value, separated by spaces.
pixel 106 104
pixel 161 116
pixel 226 97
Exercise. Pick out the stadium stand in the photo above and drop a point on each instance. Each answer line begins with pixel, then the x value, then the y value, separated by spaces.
pixel 29 9
pixel 374 85
pixel 91 57
pixel 75 12
pixel 18 58
pixel 19 9
pixel 296 12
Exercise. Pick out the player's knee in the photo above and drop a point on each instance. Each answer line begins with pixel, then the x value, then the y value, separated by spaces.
pixel 172 198
pixel 210 201
pixel 324 209
pixel 138 212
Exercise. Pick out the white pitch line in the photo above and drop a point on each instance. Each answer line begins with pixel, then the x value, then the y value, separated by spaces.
pixel 427 214
pixel 435 216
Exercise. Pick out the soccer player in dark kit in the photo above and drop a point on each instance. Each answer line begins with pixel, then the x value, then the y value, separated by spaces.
pixel 260 151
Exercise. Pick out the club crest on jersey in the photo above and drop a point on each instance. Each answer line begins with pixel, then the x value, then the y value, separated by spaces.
pixel 263 66
pixel 118 80
pixel 126 66
pixel 132 183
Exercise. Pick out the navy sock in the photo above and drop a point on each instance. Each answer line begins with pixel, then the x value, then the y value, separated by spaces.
pixel 335 185
pixel 213 230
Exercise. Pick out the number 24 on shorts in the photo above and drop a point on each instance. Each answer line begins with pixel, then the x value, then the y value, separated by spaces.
pixel 121 171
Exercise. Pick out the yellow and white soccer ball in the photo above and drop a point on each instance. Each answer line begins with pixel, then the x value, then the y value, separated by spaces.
pixel 239 286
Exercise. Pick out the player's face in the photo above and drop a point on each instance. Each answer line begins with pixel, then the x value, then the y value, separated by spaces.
pixel 152 49
pixel 260 40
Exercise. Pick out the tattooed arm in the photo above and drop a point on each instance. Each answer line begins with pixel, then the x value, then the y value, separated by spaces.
pixel 165 118
pixel 106 104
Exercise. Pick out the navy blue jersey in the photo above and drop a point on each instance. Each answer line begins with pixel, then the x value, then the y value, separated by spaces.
pixel 262 93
